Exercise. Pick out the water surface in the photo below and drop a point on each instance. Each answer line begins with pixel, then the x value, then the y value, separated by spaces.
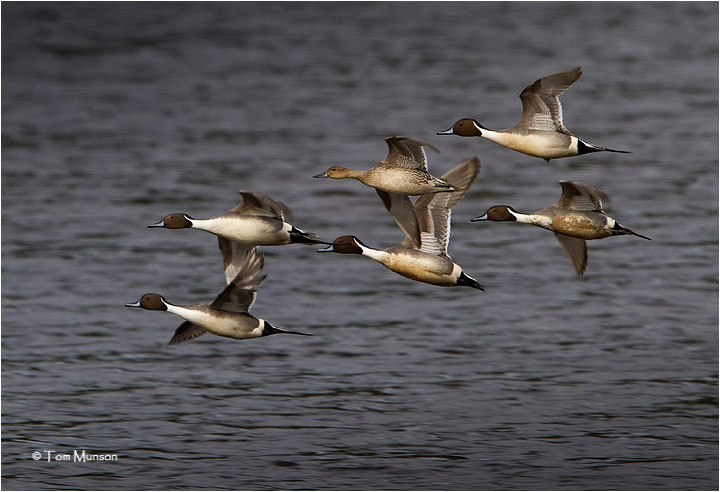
pixel 117 114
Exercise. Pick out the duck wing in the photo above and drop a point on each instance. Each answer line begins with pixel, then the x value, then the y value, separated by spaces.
pixel 581 197
pixel 434 211
pixel 576 251
pixel 240 293
pixel 261 205
pixel 541 104
pixel 186 331
pixel 403 213
pixel 234 256
pixel 407 153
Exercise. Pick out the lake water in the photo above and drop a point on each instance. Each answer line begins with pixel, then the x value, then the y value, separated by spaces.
pixel 115 114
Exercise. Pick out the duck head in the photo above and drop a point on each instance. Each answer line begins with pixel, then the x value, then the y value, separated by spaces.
pixel 335 172
pixel 174 221
pixel 498 213
pixel 153 302
pixel 466 127
pixel 344 245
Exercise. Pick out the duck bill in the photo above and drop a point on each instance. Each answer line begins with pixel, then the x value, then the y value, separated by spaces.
pixel 329 249
pixel 134 304
pixel 482 217
pixel 449 131
pixel 159 224
pixel 321 175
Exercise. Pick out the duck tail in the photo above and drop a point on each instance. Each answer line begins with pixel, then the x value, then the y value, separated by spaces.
pixel 631 233
pixel 299 236
pixel 586 148
pixel 465 280
pixel 442 185
pixel 272 330
pixel 618 151
pixel 619 230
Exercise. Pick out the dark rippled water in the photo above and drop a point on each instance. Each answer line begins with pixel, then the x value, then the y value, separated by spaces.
pixel 114 115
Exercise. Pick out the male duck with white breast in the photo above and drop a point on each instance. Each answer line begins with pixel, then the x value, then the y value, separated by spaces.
pixel 403 171
pixel 226 316
pixel 422 255
pixel 576 217
pixel 540 132
pixel 258 221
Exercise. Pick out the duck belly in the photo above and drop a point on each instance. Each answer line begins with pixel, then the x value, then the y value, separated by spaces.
pixel 221 323
pixel 542 144
pixel 254 231
pixel 232 329
pixel 422 267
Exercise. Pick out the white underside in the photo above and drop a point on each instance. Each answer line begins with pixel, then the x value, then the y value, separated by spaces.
pixel 249 230
pixel 546 144
pixel 222 326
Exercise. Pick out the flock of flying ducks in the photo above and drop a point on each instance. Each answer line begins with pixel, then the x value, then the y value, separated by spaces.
pixel 422 255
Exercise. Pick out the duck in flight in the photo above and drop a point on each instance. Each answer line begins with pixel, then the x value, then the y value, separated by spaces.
pixel 226 316
pixel 540 132
pixel 403 171
pixel 576 217
pixel 422 255
pixel 258 221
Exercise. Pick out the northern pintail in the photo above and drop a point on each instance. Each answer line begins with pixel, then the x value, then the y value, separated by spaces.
pixel 227 315
pixel 258 221
pixel 422 255
pixel 403 171
pixel 576 217
pixel 540 132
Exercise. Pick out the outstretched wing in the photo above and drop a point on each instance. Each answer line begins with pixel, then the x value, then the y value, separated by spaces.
pixel 576 251
pixel 240 293
pixel 261 205
pixel 403 213
pixel 406 152
pixel 186 331
pixel 434 211
pixel 541 104
pixel 234 256
pixel 581 197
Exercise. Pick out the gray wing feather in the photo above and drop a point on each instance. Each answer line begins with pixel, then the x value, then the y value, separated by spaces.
pixel 234 256
pixel 541 104
pixel 403 213
pixel 581 197
pixel 576 251
pixel 258 204
pixel 240 293
pixel 186 331
pixel 406 152
pixel 434 211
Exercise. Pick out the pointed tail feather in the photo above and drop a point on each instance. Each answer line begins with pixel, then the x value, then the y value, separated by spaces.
pixel 273 330
pixel 618 229
pixel 631 233
pixel 586 148
pixel 299 236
